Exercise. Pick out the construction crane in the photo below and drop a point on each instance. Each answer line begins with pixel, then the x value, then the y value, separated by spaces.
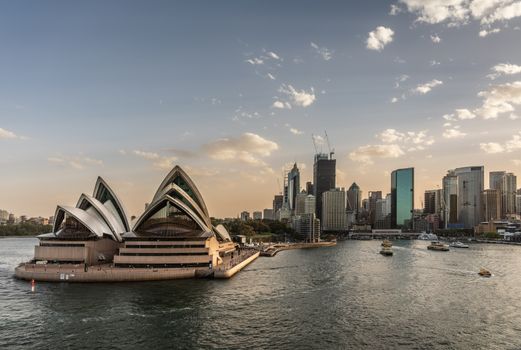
pixel 314 143
pixel 331 150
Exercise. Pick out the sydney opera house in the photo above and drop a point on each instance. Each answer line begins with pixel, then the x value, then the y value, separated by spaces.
pixel 174 238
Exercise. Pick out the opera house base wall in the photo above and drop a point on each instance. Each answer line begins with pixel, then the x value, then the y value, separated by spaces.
pixel 101 273
pixel 90 252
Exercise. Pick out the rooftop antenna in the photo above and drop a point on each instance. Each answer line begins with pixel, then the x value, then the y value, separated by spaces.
pixel 331 150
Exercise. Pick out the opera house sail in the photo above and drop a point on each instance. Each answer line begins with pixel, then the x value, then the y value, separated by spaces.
pixel 173 238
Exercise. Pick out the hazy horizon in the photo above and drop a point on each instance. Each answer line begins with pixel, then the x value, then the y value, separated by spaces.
pixel 233 92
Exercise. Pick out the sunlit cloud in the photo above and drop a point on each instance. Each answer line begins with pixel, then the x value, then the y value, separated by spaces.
pixel 379 38
pixel 300 98
pixel 248 148
pixel 427 87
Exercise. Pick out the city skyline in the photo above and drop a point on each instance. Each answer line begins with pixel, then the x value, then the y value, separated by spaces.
pixel 126 93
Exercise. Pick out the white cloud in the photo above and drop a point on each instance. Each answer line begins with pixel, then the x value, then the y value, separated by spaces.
pixel 301 98
pixel 433 63
pixel 159 162
pixel 241 114
pixel 483 33
pixel 255 61
pixel 281 105
pixel 491 147
pixel 6 134
pixel 296 131
pixel 464 114
pixel 453 133
pixel 460 12
pixel 247 148
pixel 504 69
pixel 77 162
pixel 402 78
pixel 394 144
pixel 514 144
pixel 499 99
pixel 415 139
pixel 394 10
pixel 146 155
pixel 437 11
pixel 503 13
pixel 365 154
pixel 390 136
pixel 379 37
pixel 394 100
pixel 323 51
pixel 436 39
pixel 426 87
pixel 273 55
pixel 318 140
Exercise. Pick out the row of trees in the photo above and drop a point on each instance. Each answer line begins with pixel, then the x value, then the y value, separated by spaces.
pixel 24 229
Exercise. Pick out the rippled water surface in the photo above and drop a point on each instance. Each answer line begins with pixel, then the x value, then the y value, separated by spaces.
pixel 347 296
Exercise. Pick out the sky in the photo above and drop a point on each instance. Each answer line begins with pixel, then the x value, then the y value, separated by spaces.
pixel 235 92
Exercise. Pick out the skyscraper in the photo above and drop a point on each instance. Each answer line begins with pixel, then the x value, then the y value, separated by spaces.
pixel 324 176
pixel 278 200
pixel 470 186
pixel 293 187
pixel 494 179
pixel 305 204
pixel 268 214
pixel 309 187
pixel 505 183
pixel 402 198
pixel 354 196
pixel 450 199
pixel 433 201
pixel 490 205
pixel 374 196
pixel 334 217
pixel 508 194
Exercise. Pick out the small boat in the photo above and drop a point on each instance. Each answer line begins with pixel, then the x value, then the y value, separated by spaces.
pixel 427 236
pixel 484 272
pixel 459 245
pixel 387 243
pixel 438 246
pixel 386 251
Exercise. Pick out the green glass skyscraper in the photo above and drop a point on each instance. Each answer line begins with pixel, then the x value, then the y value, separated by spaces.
pixel 402 198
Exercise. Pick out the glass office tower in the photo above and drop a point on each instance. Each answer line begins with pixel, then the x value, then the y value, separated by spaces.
pixel 402 198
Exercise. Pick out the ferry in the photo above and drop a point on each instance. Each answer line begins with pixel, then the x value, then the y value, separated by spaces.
pixel 386 251
pixel 438 246
pixel 484 272
pixel 387 243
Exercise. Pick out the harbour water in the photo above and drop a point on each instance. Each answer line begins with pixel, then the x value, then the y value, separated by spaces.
pixel 346 296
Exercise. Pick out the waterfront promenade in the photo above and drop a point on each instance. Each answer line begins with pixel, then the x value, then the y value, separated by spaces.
pixel 272 249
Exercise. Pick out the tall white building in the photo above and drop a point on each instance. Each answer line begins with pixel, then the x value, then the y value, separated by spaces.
pixel 334 216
